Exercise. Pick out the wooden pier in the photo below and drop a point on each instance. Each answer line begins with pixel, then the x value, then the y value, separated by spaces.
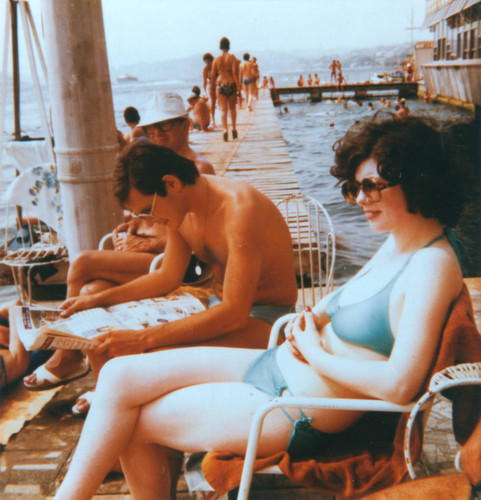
pixel 358 90
pixel 35 459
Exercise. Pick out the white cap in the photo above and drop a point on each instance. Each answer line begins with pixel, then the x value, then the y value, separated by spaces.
pixel 163 106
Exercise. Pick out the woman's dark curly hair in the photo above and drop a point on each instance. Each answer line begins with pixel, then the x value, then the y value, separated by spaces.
pixel 412 152
pixel 142 165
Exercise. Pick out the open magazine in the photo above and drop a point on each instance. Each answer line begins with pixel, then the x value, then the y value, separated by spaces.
pixel 44 328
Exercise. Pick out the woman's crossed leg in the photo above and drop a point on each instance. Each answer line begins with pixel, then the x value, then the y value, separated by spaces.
pixel 186 399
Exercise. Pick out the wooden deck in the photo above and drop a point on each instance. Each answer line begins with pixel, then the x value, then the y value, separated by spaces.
pixel 259 156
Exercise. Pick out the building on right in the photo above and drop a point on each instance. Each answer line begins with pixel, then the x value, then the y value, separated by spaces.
pixel 454 74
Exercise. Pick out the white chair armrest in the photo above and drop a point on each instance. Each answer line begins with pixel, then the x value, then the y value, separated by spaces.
pixel 276 329
pixel 102 243
pixel 156 263
pixel 452 376
pixel 293 402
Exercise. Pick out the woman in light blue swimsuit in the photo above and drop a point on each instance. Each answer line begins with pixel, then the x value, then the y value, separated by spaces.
pixel 376 337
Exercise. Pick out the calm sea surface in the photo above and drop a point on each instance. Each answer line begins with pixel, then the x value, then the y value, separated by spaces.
pixel 310 130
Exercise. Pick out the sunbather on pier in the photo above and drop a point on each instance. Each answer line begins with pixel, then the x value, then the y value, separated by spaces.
pixel 376 337
pixel 132 119
pixel 230 226
pixel 209 89
pixel 166 124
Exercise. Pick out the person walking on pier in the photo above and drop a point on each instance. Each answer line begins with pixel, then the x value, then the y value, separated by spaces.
pixel 209 89
pixel 225 77
pixel 247 79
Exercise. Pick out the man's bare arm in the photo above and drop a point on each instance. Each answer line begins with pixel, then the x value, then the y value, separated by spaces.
pixel 241 281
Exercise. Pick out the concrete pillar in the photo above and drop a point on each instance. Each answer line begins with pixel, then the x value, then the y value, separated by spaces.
pixel 83 119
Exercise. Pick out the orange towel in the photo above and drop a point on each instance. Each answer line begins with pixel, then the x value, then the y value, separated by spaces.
pixel 370 461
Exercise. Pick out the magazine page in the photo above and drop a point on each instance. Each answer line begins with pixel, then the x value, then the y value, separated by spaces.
pixel 152 312
pixel 41 329
pixel 44 329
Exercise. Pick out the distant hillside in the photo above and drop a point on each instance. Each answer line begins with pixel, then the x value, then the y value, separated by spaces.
pixel 190 68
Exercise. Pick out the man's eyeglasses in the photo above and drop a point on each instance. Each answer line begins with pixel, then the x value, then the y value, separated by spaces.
pixel 350 190
pixel 148 214
pixel 165 126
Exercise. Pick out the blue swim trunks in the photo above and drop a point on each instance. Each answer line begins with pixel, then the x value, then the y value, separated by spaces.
pixel 264 374
pixel 267 312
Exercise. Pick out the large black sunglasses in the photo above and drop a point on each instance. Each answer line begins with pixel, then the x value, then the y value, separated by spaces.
pixel 372 189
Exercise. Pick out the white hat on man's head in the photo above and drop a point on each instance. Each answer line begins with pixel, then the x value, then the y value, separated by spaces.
pixel 163 106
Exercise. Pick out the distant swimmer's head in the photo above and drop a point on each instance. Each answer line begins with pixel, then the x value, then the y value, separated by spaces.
pixel 208 57
pixel 143 166
pixel 246 56
pixel 224 44
pixel 411 152
pixel 131 115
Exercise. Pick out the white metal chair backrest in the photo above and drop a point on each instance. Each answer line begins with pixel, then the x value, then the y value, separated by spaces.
pixel 314 246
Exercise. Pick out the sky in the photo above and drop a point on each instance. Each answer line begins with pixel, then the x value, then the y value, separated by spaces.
pixel 154 30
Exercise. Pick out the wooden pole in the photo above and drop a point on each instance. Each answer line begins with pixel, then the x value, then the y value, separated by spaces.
pixel 15 68
pixel 83 119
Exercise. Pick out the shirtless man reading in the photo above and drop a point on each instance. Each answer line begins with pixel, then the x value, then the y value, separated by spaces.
pixel 166 124
pixel 228 224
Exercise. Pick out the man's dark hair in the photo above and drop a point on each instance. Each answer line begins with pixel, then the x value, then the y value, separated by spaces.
pixel 208 57
pixel 246 56
pixel 224 44
pixel 142 165
pixel 131 115
pixel 196 90
pixel 411 152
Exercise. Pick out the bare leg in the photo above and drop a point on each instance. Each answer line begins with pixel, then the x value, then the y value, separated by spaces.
pixel 223 111
pixel 105 436
pixel 212 417
pixel 212 107
pixel 232 101
pixel 109 265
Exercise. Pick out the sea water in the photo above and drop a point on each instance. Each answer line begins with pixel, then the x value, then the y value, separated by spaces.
pixel 310 130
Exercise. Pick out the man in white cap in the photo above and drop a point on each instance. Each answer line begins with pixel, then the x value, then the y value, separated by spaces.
pixel 166 123
pixel 137 242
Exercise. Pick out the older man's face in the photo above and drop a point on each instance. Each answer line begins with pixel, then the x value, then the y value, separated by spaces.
pixel 168 134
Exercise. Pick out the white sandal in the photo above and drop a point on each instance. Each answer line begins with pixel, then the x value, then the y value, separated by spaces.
pixel 44 379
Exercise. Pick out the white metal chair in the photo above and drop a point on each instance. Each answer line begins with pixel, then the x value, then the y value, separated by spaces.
pixel 460 340
pixel 37 239
pixel 299 402
pixel 106 244
pixel 314 246
pixel 204 274
pixel 454 376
